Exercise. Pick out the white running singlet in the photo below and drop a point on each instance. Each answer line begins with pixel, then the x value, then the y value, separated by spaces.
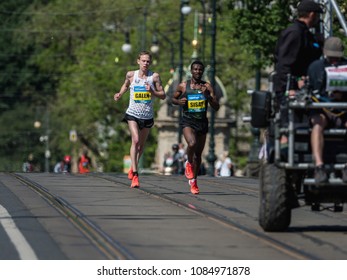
pixel 141 101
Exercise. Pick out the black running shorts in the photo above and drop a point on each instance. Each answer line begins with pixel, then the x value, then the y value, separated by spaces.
pixel 140 122
pixel 200 126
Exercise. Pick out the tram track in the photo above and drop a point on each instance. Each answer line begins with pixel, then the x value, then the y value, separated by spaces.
pixel 223 220
pixel 109 247
pixel 238 218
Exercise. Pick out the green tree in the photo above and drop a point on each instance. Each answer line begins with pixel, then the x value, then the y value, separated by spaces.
pixel 20 87
pixel 65 56
pixel 76 42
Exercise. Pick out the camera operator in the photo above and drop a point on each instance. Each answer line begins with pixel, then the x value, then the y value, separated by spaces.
pixel 296 49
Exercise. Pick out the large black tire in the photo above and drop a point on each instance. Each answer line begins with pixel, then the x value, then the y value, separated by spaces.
pixel 275 209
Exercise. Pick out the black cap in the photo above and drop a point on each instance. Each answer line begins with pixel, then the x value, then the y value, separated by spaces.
pixel 310 6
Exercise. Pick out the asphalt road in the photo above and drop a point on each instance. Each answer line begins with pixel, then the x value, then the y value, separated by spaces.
pixel 56 217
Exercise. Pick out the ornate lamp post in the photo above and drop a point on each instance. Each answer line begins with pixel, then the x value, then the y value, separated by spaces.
pixel 203 29
pixel 45 138
pixel 172 47
pixel 253 160
pixel 211 158
pixel 185 9
pixel 126 47
pixel 155 45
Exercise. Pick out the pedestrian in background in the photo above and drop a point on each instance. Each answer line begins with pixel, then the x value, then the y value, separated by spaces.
pixel 28 164
pixel 194 96
pixel 59 166
pixel 84 163
pixel 224 166
pixel 178 160
pixel 67 164
pixel 144 85
pixel 183 157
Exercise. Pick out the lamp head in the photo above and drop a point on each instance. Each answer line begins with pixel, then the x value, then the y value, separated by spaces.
pixel 185 8
pixel 126 47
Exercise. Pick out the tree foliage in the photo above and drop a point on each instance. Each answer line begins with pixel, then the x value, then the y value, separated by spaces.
pixel 63 59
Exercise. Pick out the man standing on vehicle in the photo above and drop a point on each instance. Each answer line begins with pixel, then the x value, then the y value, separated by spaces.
pixel 328 81
pixel 296 49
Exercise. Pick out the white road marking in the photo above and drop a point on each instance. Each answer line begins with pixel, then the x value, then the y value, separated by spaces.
pixel 22 246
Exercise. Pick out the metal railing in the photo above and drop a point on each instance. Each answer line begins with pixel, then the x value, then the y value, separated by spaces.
pixel 331 6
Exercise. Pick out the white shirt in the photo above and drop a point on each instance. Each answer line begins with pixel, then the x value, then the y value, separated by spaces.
pixel 224 167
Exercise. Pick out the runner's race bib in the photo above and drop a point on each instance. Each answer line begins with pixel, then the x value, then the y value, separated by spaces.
pixel 336 78
pixel 141 95
pixel 196 103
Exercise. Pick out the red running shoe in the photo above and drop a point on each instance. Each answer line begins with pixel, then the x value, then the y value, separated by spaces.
pixel 130 174
pixel 189 172
pixel 135 182
pixel 194 186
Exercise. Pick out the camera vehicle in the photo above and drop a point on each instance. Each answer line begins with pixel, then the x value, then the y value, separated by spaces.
pixel 287 172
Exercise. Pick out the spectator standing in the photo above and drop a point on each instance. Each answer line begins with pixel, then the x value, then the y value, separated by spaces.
pixel 59 167
pixel 67 164
pixel 84 163
pixel 224 166
pixel 178 160
pixel 168 164
pixel 28 165
pixel 183 158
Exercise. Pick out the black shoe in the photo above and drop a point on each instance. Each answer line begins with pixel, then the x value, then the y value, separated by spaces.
pixel 320 176
pixel 344 174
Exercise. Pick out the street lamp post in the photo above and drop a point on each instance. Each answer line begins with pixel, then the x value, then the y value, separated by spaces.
pixel 253 160
pixel 184 10
pixel 45 139
pixel 172 47
pixel 211 158
pixel 155 44
pixel 203 31
pixel 126 47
